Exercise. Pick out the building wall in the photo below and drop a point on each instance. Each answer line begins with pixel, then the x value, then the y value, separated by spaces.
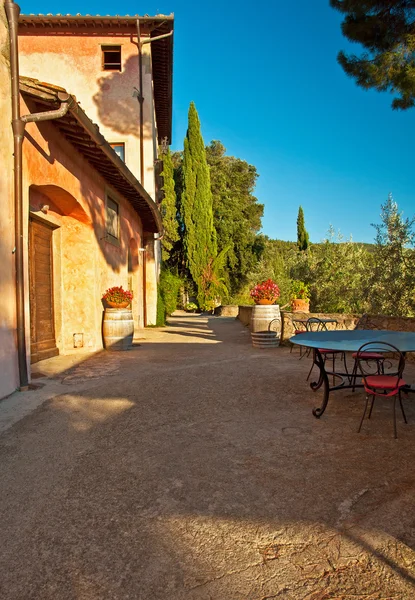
pixel 9 377
pixel 62 189
pixel 109 98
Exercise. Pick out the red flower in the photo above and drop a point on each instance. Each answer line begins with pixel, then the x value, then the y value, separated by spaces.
pixel 118 295
pixel 267 290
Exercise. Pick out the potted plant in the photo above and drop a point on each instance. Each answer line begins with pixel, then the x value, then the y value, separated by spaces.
pixel 266 292
pixel 116 297
pixel 191 307
pixel 300 296
pixel 118 323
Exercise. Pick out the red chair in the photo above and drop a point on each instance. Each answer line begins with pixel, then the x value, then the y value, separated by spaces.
pixel 374 358
pixel 387 385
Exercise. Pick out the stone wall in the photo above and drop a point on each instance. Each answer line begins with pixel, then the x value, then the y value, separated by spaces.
pixel 385 322
pixel 344 321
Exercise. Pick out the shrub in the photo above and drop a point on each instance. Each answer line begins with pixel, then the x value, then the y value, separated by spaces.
pixel 169 287
pixel 191 307
pixel 161 311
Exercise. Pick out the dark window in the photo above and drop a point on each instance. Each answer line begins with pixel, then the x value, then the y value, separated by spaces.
pixel 111 58
pixel 119 150
pixel 113 219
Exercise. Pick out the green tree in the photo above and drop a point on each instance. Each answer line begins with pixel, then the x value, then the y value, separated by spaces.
pixel 236 212
pixel 302 235
pixel 392 284
pixel 386 30
pixel 337 273
pixel 199 235
pixel 168 208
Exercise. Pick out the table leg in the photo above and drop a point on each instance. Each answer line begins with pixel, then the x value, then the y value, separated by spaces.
pixel 322 380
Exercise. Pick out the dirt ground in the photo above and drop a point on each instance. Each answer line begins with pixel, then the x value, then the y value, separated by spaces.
pixel 192 468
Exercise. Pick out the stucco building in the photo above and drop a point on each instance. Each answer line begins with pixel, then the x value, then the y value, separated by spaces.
pixel 89 193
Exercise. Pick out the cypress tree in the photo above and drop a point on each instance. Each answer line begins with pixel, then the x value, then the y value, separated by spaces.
pixel 302 235
pixel 199 235
pixel 168 208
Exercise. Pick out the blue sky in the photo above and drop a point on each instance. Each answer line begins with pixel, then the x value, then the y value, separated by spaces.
pixel 266 83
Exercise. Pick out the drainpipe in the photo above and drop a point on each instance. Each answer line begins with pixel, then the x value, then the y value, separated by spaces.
pixel 141 96
pixel 18 126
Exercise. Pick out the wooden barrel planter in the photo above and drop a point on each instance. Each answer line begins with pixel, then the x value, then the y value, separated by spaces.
pixel 265 339
pixel 118 329
pixel 266 318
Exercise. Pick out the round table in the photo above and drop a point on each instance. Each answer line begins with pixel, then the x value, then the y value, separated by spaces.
pixel 347 341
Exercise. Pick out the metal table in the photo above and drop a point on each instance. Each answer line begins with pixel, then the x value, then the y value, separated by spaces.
pixel 347 341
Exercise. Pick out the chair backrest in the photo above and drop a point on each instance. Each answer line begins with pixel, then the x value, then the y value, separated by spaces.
pixel 366 366
pixel 315 324
pixel 299 320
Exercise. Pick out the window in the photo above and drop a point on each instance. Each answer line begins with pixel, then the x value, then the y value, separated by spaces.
pixel 113 220
pixel 119 150
pixel 111 58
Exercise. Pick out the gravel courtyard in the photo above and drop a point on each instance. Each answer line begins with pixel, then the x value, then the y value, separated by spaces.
pixel 191 468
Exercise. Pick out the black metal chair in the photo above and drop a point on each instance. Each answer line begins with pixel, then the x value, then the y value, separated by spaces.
pixel 316 324
pixel 386 385
pixel 299 323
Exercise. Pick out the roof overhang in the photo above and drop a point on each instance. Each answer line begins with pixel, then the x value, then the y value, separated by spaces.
pixel 85 136
pixel 161 50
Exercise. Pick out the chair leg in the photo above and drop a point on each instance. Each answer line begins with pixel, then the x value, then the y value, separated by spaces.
pixel 403 412
pixel 371 406
pixel 354 375
pixel 364 412
pixel 394 417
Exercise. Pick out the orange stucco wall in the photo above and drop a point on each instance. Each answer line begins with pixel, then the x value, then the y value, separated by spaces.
pixel 74 62
pixel 85 263
pixel 9 377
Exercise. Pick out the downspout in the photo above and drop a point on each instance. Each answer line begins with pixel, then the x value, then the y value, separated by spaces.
pixel 18 126
pixel 141 96
pixel 141 101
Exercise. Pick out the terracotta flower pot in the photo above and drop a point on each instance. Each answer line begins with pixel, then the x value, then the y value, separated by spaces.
pixel 300 305
pixel 117 304
pixel 264 301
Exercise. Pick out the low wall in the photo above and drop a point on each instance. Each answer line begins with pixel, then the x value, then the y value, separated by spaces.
pixel 344 321
pixel 385 322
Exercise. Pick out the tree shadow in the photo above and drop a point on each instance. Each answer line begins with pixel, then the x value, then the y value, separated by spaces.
pixel 118 99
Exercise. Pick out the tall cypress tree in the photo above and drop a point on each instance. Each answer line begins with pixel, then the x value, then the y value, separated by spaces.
pixel 302 235
pixel 199 235
pixel 168 208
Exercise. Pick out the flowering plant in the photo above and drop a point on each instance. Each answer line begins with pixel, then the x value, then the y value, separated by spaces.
pixel 299 290
pixel 267 290
pixel 117 295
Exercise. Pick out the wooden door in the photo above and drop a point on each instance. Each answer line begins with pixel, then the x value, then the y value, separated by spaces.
pixel 42 325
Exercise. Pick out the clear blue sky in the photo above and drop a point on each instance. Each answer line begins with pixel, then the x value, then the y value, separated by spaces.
pixel 265 82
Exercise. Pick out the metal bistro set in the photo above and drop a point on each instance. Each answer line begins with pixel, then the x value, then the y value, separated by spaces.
pixel 378 361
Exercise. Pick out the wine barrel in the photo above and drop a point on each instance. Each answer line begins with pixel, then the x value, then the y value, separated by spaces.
pixel 118 329
pixel 265 339
pixel 266 318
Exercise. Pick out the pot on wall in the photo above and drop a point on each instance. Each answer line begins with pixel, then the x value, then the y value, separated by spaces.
pixel 264 302
pixel 300 305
